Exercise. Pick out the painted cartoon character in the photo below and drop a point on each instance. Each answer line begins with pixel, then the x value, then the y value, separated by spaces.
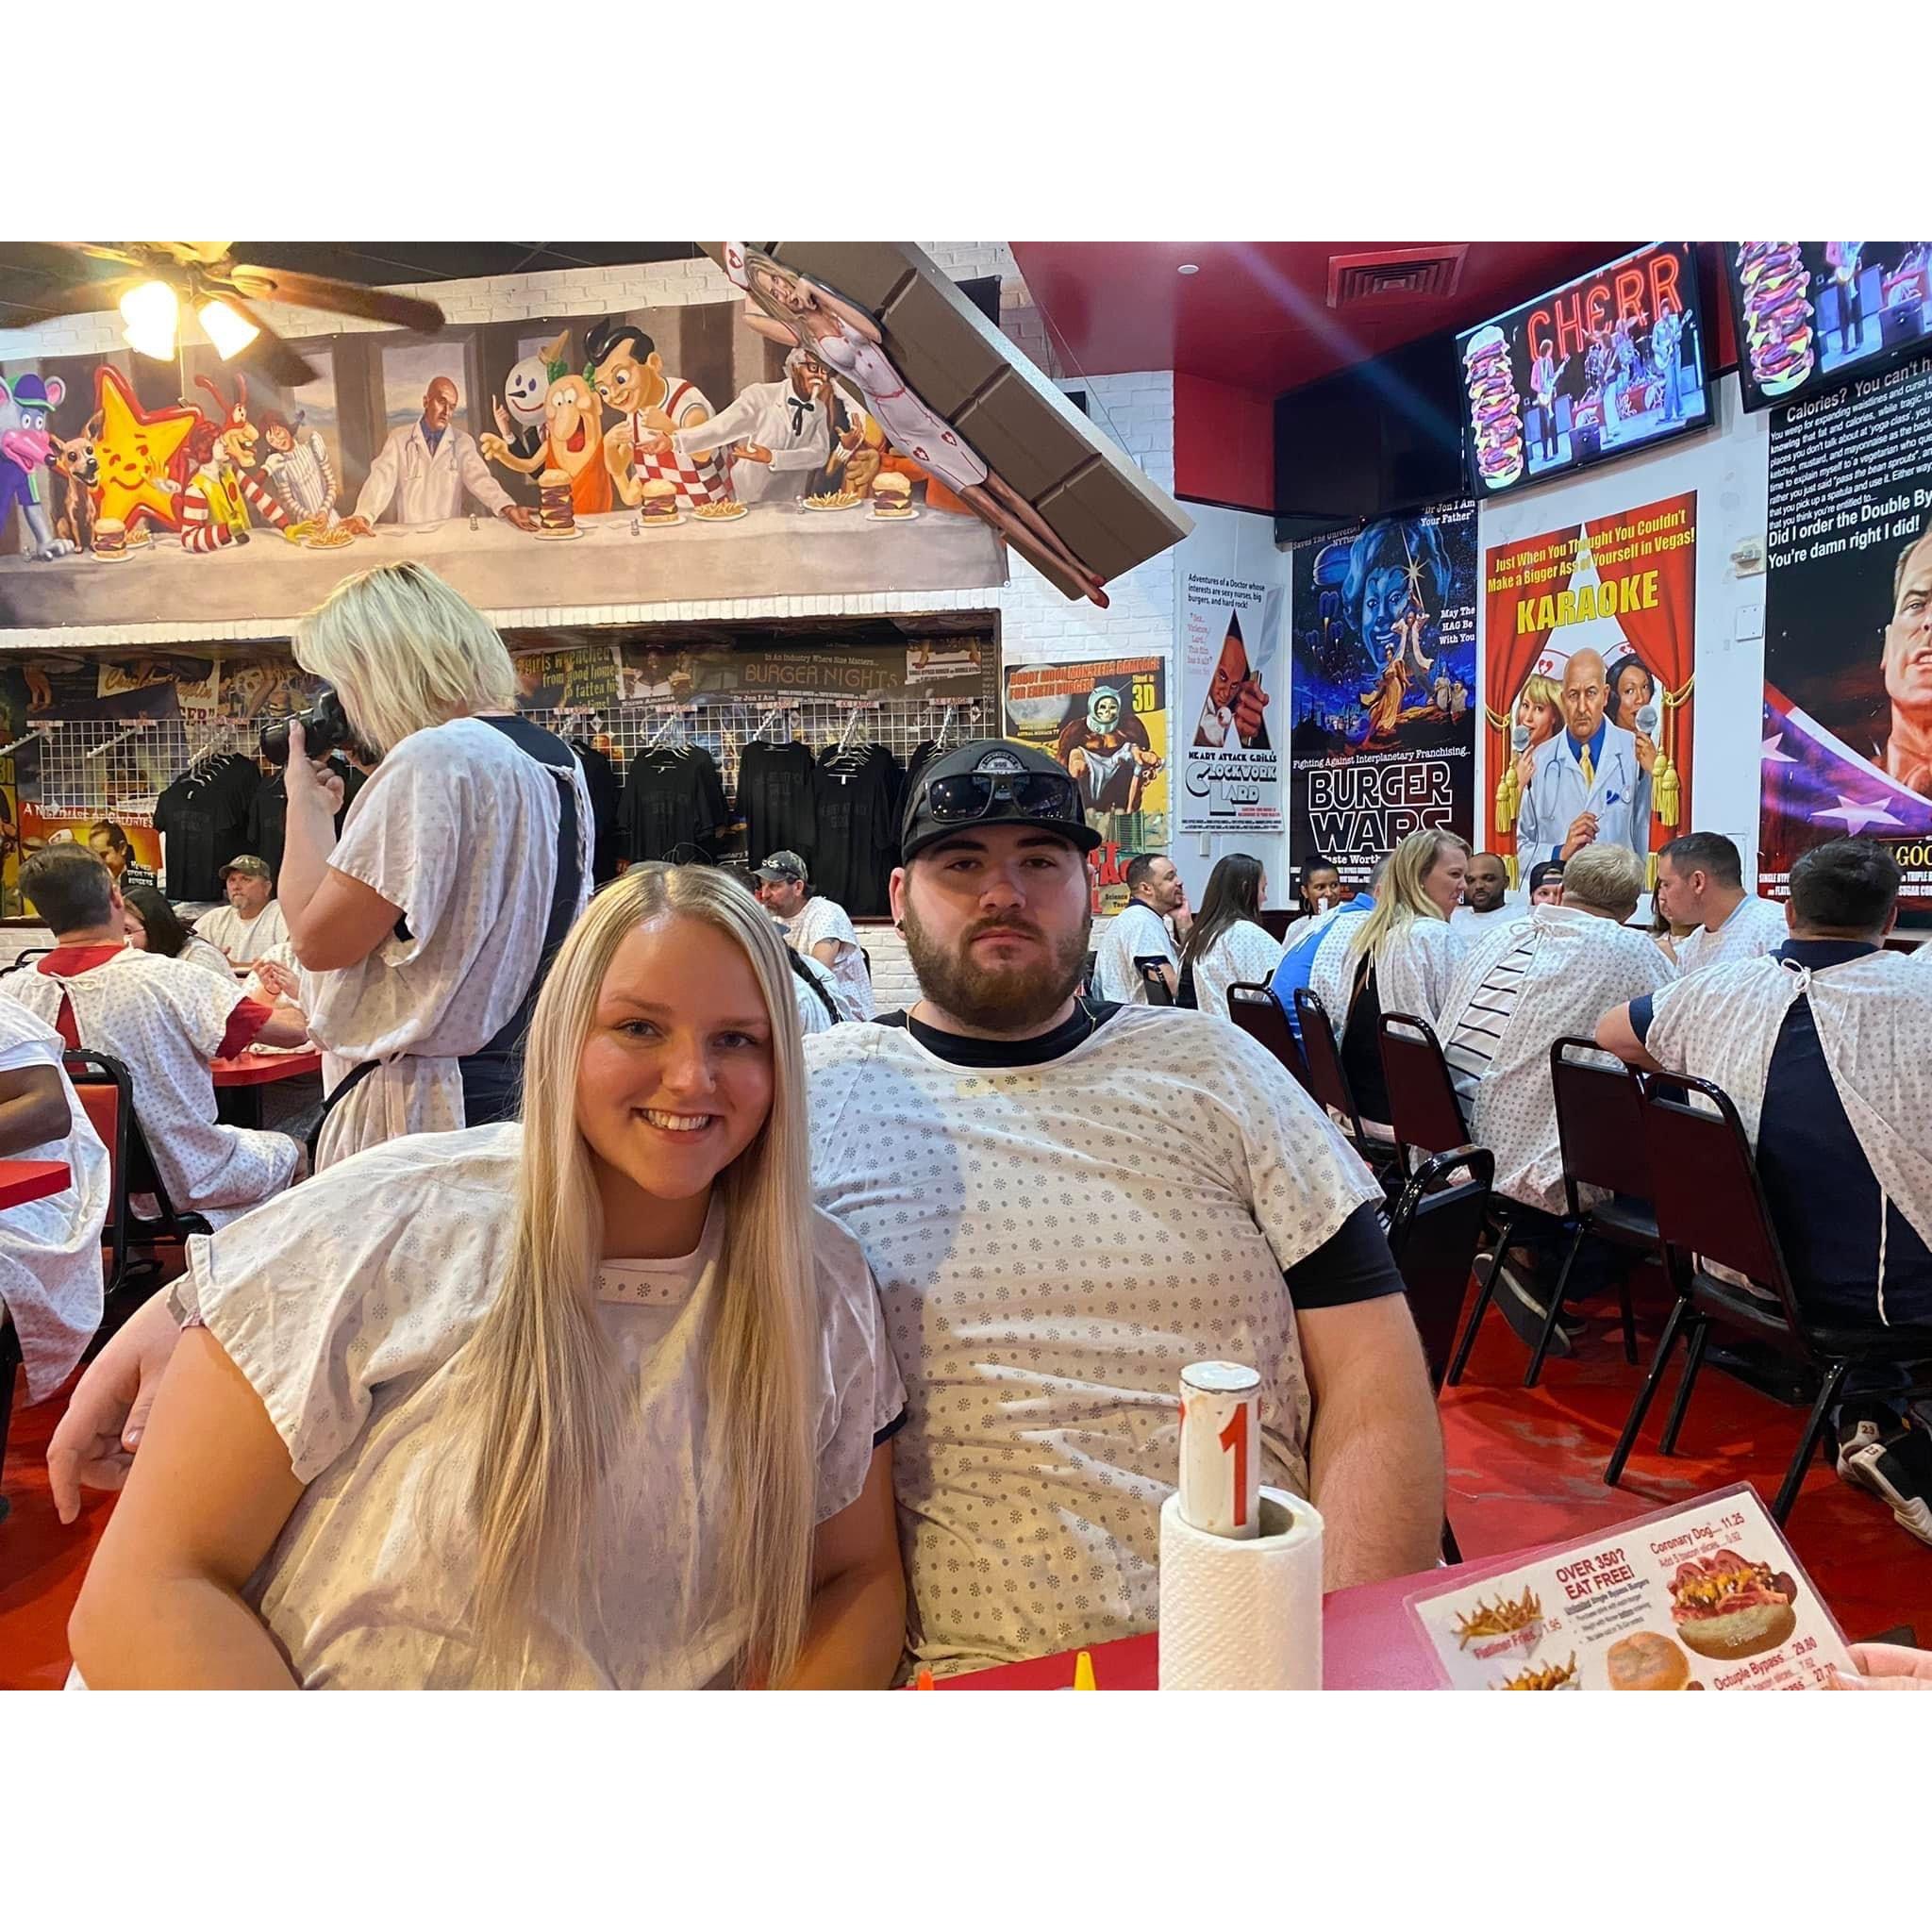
pixel 221 492
pixel 572 442
pixel 76 471
pixel 25 407
pixel 1108 753
pixel 519 410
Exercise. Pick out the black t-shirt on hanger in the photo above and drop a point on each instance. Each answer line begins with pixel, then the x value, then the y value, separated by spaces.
pixel 674 805
pixel 204 818
pixel 775 793
pixel 607 792
pixel 857 808
pixel 267 834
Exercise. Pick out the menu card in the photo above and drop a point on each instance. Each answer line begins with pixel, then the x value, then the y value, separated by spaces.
pixel 1703 1597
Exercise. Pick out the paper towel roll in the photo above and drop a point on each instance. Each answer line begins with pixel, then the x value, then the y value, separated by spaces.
pixel 1243 1615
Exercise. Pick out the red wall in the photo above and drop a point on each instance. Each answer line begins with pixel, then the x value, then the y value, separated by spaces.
pixel 1224 443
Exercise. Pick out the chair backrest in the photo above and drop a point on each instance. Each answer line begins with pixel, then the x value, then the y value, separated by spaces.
pixel 1328 1079
pixel 1255 1011
pixel 104 1089
pixel 867 957
pixel 1275 923
pixel 1423 1108
pixel 1434 1232
pixel 1599 1122
pixel 1150 969
pixel 1704 1188
pixel 1087 975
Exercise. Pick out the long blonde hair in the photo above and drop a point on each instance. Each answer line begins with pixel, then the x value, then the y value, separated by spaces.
pixel 404 653
pixel 538 1378
pixel 1400 900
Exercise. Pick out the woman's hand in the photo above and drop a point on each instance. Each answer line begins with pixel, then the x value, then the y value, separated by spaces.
pixel 1886 1667
pixel 93 1446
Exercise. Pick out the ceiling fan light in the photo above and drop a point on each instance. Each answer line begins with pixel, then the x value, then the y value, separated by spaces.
pixel 227 330
pixel 152 312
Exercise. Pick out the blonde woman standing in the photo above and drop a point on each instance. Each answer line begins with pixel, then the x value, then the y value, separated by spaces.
pixel 594 1400
pixel 1401 958
pixel 422 933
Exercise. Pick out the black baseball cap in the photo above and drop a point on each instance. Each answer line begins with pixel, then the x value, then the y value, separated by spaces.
pixel 992 781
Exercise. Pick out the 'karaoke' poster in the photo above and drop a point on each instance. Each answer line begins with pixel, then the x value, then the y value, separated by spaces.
pixel 1384 687
pixel 1588 672
pixel 1848 628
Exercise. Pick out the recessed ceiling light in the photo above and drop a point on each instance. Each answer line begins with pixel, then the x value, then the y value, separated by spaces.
pixel 1188 268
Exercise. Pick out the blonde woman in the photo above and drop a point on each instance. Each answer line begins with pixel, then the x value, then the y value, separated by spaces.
pixel 1400 958
pixel 1539 711
pixel 422 933
pixel 598 1399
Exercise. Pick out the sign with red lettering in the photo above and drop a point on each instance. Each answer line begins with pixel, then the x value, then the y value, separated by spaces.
pixel 1614 361
pixel 1705 1596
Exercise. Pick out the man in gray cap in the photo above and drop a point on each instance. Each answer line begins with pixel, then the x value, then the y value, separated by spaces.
pixel 252 921
pixel 820 927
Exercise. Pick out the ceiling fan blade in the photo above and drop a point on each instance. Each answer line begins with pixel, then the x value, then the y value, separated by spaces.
pixel 103 250
pixel 284 366
pixel 78 298
pixel 337 298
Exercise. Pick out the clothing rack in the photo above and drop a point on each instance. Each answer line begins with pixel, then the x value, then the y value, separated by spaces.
pixel 103 765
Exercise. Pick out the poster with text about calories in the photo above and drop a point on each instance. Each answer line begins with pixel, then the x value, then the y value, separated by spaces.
pixel 1230 677
pixel 1847 747
pixel 1384 687
pixel 1703 1597
pixel 1590 635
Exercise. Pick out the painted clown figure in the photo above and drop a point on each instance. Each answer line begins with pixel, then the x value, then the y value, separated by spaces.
pixel 221 492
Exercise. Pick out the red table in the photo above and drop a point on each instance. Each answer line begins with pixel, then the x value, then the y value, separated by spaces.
pixel 238 1081
pixel 31 1180
pixel 1368 1643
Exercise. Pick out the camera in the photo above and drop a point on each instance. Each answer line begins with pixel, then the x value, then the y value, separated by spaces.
pixel 325 727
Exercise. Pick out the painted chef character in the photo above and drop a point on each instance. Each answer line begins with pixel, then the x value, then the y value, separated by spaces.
pixel 650 406
pixel 426 467
pixel 780 432
pixel 1588 781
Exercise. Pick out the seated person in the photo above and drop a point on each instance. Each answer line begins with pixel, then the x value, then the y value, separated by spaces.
pixel 252 920
pixel 1546 883
pixel 50 1249
pixel 1304 939
pixel 165 1021
pixel 1139 931
pixel 1700 887
pixel 589 1400
pixel 1402 958
pixel 1826 1048
pixel 153 925
pixel 1546 973
pixel 1485 897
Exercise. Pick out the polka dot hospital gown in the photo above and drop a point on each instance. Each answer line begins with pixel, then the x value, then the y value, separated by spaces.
pixel 1053 1246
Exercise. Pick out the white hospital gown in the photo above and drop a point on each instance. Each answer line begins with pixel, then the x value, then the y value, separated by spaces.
pixel 50 1250
pixel 459 828
pixel 1413 970
pixel 346 1305
pixel 164 1020
pixel 819 919
pixel 1243 955
pixel 1053 1245
pixel 1137 932
pixel 1577 968
pixel 1756 926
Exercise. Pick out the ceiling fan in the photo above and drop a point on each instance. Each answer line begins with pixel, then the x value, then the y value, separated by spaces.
pixel 162 276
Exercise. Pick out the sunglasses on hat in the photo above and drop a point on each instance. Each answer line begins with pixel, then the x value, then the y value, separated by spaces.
pixel 971 796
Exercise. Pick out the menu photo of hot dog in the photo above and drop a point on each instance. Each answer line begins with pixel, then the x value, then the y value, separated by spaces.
pixel 1703 1597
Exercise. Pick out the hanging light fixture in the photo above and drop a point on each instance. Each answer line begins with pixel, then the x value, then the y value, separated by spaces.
pixel 152 312
pixel 228 331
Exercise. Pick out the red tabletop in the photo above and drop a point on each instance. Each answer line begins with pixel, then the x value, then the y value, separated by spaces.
pixel 264 1069
pixel 31 1180
pixel 1368 1643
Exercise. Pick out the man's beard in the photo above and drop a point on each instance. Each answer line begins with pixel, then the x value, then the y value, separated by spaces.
pixel 1012 1000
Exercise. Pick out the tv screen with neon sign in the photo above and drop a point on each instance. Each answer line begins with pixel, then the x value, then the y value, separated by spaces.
pixel 1614 361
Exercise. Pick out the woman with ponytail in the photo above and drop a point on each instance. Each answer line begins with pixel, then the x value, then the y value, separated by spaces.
pixel 597 1398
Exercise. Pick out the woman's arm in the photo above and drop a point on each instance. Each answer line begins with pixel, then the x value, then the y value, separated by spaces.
pixel 33 1109
pixel 857 1627
pixel 161 1607
pixel 769 327
pixel 844 310
pixel 333 921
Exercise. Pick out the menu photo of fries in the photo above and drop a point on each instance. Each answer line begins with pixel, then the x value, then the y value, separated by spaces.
pixel 1543 1677
pixel 1520 1620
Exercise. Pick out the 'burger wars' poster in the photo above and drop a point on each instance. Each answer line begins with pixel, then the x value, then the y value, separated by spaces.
pixel 1384 690
pixel 1848 628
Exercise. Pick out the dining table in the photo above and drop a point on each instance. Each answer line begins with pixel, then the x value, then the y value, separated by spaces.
pixel 240 1079
pixel 31 1180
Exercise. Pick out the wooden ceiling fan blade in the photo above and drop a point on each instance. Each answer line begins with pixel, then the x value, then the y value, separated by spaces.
pixel 79 298
pixel 337 298
pixel 284 366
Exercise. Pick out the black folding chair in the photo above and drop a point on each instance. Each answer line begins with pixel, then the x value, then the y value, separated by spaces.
pixel 1087 975
pixel 104 1089
pixel 1434 1231
pixel 1710 1208
pixel 1327 1077
pixel 1151 969
pixel 1255 1011
pixel 1423 1110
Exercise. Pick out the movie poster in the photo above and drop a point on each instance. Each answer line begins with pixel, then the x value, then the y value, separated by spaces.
pixel 1384 687
pixel 1230 659
pixel 1589 672
pixel 527 461
pixel 1107 724
pixel 1848 627
pixel 589 678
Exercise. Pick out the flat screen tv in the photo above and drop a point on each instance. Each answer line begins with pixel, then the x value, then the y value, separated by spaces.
pixel 1614 361
pixel 1813 315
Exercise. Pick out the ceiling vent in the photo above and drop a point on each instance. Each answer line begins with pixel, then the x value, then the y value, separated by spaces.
pixel 1392 275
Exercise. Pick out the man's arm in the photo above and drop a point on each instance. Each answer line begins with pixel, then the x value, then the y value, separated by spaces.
pixel 33 1109
pixel 379 485
pixel 1622 1030
pixel 1375 1449
pixel 826 953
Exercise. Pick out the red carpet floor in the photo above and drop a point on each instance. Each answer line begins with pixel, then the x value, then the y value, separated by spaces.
pixel 1526 1466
